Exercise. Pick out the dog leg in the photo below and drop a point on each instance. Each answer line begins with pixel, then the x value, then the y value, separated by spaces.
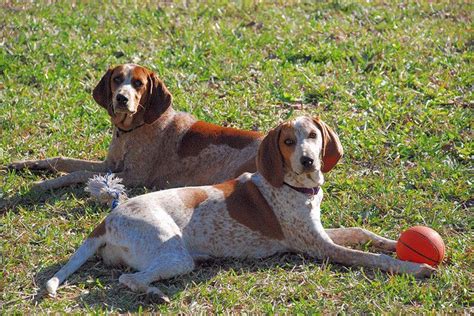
pixel 59 164
pixel 355 236
pixel 85 251
pixel 63 181
pixel 346 256
pixel 165 266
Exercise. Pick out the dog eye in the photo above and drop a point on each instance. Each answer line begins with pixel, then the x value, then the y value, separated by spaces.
pixel 118 80
pixel 312 135
pixel 137 83
pixel 289 142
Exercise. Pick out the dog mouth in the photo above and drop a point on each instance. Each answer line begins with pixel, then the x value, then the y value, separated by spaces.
pixel 305 176
pixel 123 109
pixel 122 118
pixel 305 171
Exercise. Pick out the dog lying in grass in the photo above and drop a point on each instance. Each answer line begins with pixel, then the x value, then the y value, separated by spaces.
pixel 276 209
pixel 152 144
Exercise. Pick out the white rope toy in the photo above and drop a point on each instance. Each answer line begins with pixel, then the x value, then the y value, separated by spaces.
pixel 107 189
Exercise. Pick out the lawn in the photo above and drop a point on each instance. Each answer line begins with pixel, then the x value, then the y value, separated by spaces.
pixel 394 80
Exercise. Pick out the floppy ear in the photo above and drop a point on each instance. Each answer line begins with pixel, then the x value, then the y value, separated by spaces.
pixel 159 99
pixel 269 159
pixel 332 147
pixel 102 93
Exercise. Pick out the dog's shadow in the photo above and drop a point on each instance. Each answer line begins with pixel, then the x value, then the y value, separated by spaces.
pixel 100 287
pixel 35 196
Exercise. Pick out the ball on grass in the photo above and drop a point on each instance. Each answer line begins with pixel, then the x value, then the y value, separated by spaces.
pixel 421 244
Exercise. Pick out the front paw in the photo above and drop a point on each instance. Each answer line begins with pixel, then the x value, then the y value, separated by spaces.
pixel 423 271
pixel 154 295
pixel 40 186
pixel 16 165
pixel 387 246
pixel 26 164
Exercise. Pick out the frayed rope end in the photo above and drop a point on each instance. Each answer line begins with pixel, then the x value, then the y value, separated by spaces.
pixel 107 189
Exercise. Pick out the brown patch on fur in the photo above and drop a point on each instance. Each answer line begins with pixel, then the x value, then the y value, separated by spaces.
pixel 332 147
pixel 158 100
pixel 287 132
pixel 202 134
pixel 248 166
pixel 192 197
pixel 227 187
pixel 269 158
pixel 100 230
pixel 102 93
pixel 247 206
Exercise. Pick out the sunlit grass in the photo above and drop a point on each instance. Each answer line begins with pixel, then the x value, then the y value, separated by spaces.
pixel 395 81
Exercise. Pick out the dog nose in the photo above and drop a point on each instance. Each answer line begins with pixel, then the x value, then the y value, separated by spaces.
pixel 121 99
pixel 306 161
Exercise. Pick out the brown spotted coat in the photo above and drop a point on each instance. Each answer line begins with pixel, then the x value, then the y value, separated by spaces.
pixel 153 145
pixel 163 234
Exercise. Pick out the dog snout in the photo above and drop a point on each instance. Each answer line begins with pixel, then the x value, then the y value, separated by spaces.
pixel 121 99
pixel 307 162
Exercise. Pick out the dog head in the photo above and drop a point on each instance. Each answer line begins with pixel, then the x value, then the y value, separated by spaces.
pixel 132 95
pixel 298 153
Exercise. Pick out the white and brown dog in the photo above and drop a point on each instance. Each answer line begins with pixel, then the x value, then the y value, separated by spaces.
pixel 153 145
pixel 276 209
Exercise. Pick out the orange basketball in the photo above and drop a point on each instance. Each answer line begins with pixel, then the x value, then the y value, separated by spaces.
pixel 421 244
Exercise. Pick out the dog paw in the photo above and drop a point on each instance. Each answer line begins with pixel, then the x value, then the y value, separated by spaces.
pixel 46 164
pixel 424 271
pixel 130 281
pixel 52 286
pixel 156 296
pixel 39 186
pixel 16 165
pixel 388 246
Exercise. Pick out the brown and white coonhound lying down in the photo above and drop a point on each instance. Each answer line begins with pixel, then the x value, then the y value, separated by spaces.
pixel 276 209
pixel 152 144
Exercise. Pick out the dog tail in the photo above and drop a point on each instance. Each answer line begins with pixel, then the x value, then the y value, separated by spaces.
pixel 90 246
pixel 107 189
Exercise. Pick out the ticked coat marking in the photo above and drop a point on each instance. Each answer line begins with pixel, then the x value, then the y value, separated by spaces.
pixel 202 134
pixel 152 144
pixel 163 234
pixel 247 206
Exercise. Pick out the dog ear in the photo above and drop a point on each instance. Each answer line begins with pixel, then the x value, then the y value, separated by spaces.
pixel 102 93
pixel 332 147
pixel 269 159
pixel 159 99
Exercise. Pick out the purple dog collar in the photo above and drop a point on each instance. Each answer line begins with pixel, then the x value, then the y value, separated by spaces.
pixel 307 191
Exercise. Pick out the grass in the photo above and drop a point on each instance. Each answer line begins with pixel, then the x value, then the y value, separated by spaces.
pixel 395 80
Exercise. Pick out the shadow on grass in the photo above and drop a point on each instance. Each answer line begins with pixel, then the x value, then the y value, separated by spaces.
pixel 35 197
pixel 32 198
pixel 100 287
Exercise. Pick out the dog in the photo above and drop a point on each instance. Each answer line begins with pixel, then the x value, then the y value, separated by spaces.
pixel 276 209
pixel 153 145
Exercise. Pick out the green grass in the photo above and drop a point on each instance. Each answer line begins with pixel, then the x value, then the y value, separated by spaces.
pixel 396 81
